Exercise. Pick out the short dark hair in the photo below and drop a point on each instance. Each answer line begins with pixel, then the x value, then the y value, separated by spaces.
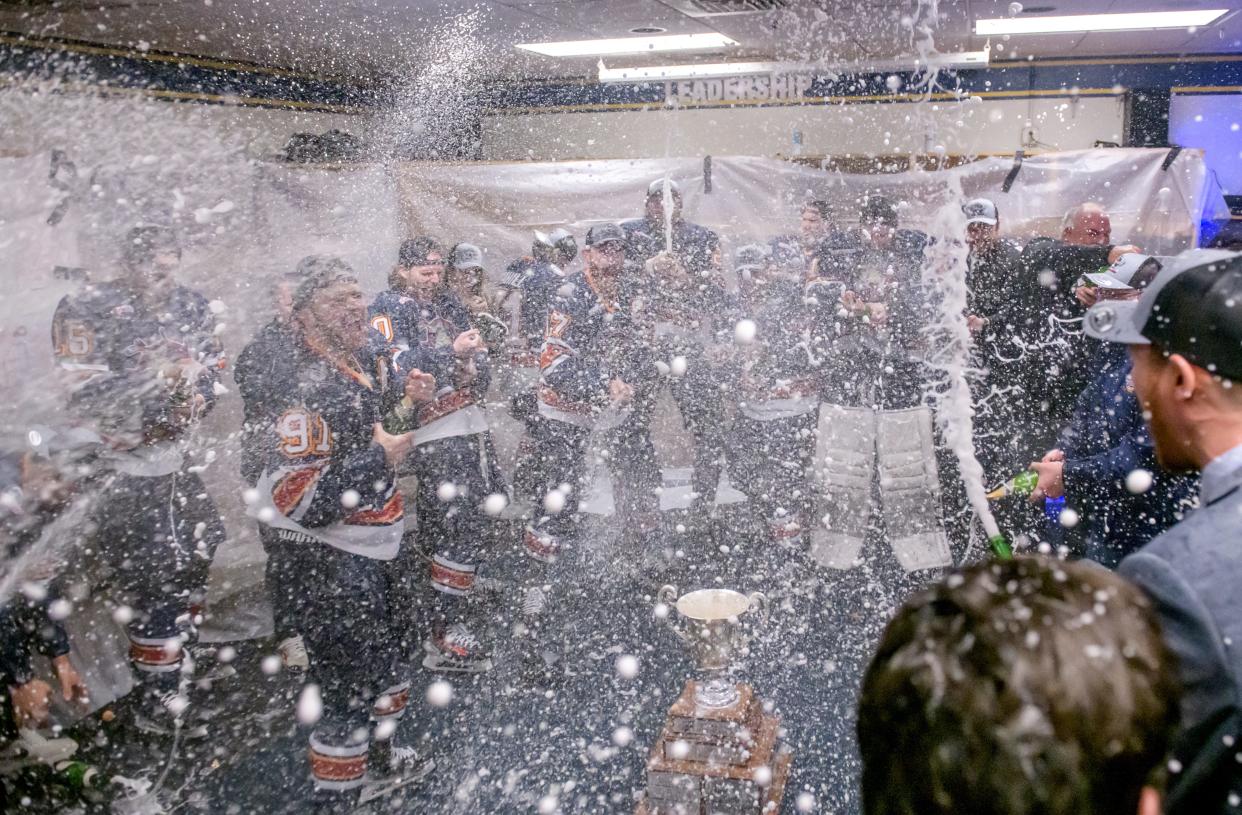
pixel 142 243
pixel 1022 687
pixel 820 206
pixel 878 209
pixel 319 272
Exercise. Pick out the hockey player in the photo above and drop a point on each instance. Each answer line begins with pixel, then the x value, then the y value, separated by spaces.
pixel 468 281
pixel 33 492
pixel 262 362
pixel 455 464
pixel 874 420
pixel 328 490
pixel 685 295
pixel 536 279
pixel 143 354
pixel 777 392
pixel 696 247
pixel 595 369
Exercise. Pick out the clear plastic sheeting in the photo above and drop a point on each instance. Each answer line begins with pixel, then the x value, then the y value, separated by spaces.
pixel 249 224
pixel 754 198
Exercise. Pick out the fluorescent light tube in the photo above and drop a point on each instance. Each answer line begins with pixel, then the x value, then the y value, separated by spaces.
pixel 706 70
pixel 715 70
pixel 629 45
pixel 1075 23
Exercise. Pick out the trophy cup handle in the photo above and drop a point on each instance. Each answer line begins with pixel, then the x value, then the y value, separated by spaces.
pixel 667 596
pixel 759 602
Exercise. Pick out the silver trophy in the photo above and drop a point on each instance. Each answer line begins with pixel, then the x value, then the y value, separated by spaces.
pixel 715 624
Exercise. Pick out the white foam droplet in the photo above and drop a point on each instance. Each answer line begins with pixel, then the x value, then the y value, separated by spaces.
pixel 177 705
pixel 310 704
pixel 677 367
pixel 439 693
pixel 679 749
pixel 627 666
pixel 622 736
pixel 59 609
pixel 1138 481
pixel 123 615
pixel 384 729
pixel 270 664
pixel 548 804
pixel 805 802
pixel 34 591
pixel 226 654
pixel 267 515
pixel 554 501
pixel 447 491
pixel 250 496
pixel 762 776
pixel 495 504
pixel 350 499
pixel 1068 518
pixel 745 331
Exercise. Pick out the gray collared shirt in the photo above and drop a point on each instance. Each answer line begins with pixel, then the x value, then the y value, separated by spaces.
pixel 1216 480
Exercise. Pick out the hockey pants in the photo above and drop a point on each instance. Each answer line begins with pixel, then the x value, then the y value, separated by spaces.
pixel 855 446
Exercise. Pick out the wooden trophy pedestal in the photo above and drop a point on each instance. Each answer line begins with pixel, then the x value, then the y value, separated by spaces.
pixel 717 761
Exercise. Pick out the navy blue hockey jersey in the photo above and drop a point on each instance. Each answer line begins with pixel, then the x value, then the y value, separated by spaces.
pixel 588 342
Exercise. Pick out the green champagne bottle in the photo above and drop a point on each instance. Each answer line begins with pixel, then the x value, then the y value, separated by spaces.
pixel 401 418
pixel 80 776
pixel 1021 484
pixel 1000 547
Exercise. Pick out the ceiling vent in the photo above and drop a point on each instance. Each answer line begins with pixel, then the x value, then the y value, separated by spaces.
pixel 720 8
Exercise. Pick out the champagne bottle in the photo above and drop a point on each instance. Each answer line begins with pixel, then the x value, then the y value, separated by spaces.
pixel 1021 484
pixel 401 418
pixel 1000 547
pixel 80 776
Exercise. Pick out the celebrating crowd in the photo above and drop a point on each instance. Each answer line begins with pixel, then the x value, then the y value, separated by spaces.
pixel 804 373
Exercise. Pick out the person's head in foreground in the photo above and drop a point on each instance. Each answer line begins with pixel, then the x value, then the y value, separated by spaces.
pixel 1185 338
pixel 1019 687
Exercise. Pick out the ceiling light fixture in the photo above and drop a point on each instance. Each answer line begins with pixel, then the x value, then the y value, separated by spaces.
pixel 1077 23
pixel 704 70
pixel 629 45
pixel 720 70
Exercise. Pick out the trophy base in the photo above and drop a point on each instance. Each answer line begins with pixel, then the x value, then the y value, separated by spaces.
pixel 726 761
pixel 768 804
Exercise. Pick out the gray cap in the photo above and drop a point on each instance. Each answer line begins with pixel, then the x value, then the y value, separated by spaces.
pixel 318 272
pixel 604 233
pixel 466 256
pixel 657 187
pixel 981 211
pixel 749 258
pixel 1130 271
pixel 1193 307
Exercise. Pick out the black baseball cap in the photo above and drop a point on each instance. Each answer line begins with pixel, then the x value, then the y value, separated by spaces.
pixel 878 209
pixel 1193 307
pixel 604 233
pixel 417 252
